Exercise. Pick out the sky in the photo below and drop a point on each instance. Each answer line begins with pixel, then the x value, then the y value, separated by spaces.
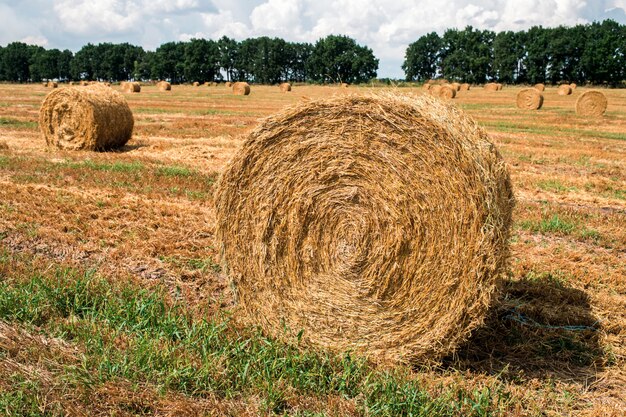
pixel 386 27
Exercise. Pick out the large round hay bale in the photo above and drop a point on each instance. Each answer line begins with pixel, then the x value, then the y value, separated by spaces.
pixel 241 89
pixel 573 86
pixel 164 86
pixel 435 90
pixel 456 86
pixel 591 103
pixel 375 224
pixel 464 87
pixel 491 87
pixel 447 91
pixel 131 87
pixel 564 90
pixel 94 117
pixel 540 87
pixel 52 84
pixel 284 87
pixel 529 99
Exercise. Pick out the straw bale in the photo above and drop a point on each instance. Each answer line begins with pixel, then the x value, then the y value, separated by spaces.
pixel 95 117
pixel 131 87
pixel 456 86
pixel 241 89
pixel 229 84
pixel 435 90
pixel 540 87
pixel 564 90
pixel 573 86
pixel 344 85
pixel 427 86
pixel 284 87
pixel 447 91
pixel 196 84
pixel 498 86
pixel 529 99
pixel 491 87
pixel 53 84
pixel 464 87
pixel 376 224
pixel 591 103
pixel 164 86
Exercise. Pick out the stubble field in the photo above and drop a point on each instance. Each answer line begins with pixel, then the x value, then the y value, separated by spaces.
pixel 112 301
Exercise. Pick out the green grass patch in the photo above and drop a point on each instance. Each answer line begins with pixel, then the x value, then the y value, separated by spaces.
pixel 11 122
pixel 168 346
pixel 174 171
pixel 553 224
pixel 106 166
pixel 554 186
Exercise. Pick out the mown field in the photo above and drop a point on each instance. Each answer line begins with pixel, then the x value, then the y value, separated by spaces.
pixel 112 301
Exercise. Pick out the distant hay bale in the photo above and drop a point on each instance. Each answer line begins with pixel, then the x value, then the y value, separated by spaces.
pixel 84 83
pixel 573 86
pixel 374 224
pixel 591 103
pixel 94 117
pixel 540 87
pixel 130 87
pixel 196 84
pixel 456 86
pixel 241 89
pixel 464 87
pixel 529 99
pixel 53 84
pixel 344 85
pixel 435 90
pixel 285 87
pixel 491 87
pixel 229 84
pixel 447 92
pixel 564 90
pixel 498 86
pixel 164 86
pixel 213 84
pixel 427 86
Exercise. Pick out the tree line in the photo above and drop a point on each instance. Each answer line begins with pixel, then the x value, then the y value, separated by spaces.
pixel 260 60
pixel 594 53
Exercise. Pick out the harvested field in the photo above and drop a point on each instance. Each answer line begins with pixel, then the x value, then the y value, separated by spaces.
pixel 112 297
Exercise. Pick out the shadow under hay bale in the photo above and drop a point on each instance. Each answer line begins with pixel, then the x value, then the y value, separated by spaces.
pixel 376 224
pixel 94 117
pixel 538 326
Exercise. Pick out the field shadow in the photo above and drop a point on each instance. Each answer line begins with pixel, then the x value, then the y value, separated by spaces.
pixel 538 328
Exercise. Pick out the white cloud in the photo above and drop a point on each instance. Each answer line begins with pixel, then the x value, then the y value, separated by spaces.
pixel 387 29
pixel 35 40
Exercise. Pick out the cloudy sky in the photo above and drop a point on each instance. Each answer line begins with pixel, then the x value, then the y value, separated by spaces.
pixel 387 27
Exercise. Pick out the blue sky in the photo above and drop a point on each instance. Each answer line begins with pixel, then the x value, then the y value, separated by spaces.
pixel 387 27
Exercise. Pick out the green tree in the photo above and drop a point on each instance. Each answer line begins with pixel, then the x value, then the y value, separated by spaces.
pixel 201 60
pixel 15 65
pixel 341 59
pixel 421 59
pixel 228 50
pixel 508 51
pixel 603 58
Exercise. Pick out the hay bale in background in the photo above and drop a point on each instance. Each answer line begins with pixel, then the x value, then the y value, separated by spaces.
pixel 498 86
pixel 529 99
pixel 540 87
pixel 84 83
pixel 447 92
pixel 344 85
pixel 564 90
pixel 229 84
pixel 241 89
pixel 591 103
pixel 95 117
pixel 573 86
pixel 464 87
pixel 52 84
pixel 164 86
pixel 131 87
pixel 284 87
pixel 456 86
pixel 426 86
pixel 435 90
pixel 491 87
pixel 196 84
pixel 323 228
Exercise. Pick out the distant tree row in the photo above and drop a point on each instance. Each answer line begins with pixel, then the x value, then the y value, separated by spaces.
pixel 262 60
pixel 594 53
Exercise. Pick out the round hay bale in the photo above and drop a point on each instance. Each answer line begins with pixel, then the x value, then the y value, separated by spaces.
pixel 241 89
pixel 164 86
pixel 213 84
pixel 53 84
pixel 285 87
pixel 573 86
pixel 344 85
pixel 464 87
pixel 456 86
pixel 491 87
pixel 228 84
pixel 540 87
pixel 498 86
pixel 376 224
pixel 591 103
pixel 131 87
pixel 447 92
pixel 435 90
pixel 95 117
pixel 427 86
pixel 196 84
pixel 529 99
pixel 564 90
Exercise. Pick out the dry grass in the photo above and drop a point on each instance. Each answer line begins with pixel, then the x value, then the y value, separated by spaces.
pixel 554 343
